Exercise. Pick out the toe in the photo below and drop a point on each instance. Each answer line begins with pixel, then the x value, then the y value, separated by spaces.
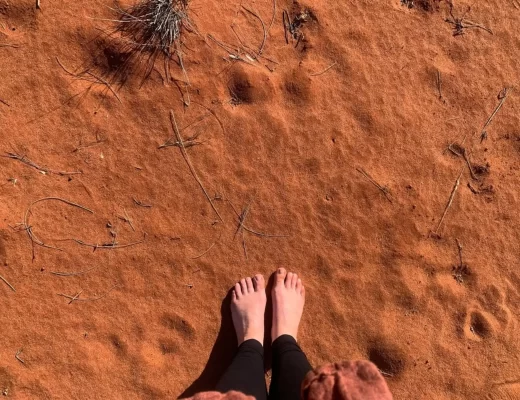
pixel 288 280
pixel 249 283
pixel 259 282
pixel 303 291
pixel 280 276
pixel 243 285
pixel 234 295
pixel 299 285
pixel 294 281
pixel 238 290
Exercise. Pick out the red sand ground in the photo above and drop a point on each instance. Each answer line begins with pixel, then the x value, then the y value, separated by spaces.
pixel 380 285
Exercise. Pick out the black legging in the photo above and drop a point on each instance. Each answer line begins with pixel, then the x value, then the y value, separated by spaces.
pixel 246 372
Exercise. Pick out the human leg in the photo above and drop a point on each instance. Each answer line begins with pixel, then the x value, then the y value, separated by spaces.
pixel 246 372
pixel 290 365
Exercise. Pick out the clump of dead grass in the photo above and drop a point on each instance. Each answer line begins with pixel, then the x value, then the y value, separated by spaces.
pixel 152 29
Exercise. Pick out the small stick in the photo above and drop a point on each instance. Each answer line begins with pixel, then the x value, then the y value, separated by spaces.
pixel 459 246
pixel 383 189
pixel 439 84
pixel 72 273
pixel 474 25
pixel 450 201
pixel 17 356
pixel 141 204
pixel 388 374
pixel 5 103
pixel 274 16
pixel 455 152
pixel 245 228
pixel 205 252
pixel 473 190
pixel 28 228
pixel 81 147
pixel 241 220
pixel 14 46
pixel 261 49
pixel 43 170
pixel 76 297
pixel 209 248
pixel 466 158
pixel 108 245
pixel 127 219
pixel 97 79
pixel 101 80
pixel 7 283
pixel 502 96
pixel 212 113
pixel 190 165
pixel 263 234
pixel 325 70
pixel 286 23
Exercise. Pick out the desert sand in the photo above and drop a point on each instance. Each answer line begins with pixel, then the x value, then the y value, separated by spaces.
pixel 355 148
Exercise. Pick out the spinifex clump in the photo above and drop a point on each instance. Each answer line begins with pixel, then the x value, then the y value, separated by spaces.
pixel 152 28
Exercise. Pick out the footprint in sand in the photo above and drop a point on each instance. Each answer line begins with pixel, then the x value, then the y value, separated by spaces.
pixel 479 326
pixel 388 359
pixel 176 323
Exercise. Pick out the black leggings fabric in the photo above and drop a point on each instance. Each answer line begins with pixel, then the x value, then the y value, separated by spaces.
pixel 290 365
pixel 246 372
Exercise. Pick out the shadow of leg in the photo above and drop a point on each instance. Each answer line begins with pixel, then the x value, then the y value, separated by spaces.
pixel 221 355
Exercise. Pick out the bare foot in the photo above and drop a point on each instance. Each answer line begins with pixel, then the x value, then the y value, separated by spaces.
pixel 248 308
pixel 288 300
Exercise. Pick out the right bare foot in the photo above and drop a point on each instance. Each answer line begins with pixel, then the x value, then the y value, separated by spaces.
pixel 288 299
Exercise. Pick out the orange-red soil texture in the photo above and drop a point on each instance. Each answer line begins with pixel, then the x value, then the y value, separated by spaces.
pixel 353 147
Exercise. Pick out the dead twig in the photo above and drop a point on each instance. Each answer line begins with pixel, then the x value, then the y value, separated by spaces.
pixel 93 79
pixel 7 283
pixel 466 158
pixel 92 144
pixel 113 245
pixel 14 46
pixel 325 70
pixel 450 201
pixel 274 16
pixel 459 247
pixel 43 170
pixel 17 356
pixel 439 84
pixel 67 274
pixel 5 103
pixel 190 165
pixel 241 228
pixel 261 49
pixel 459 25
pixel 28 228
pixel 77 298
pixel 140 203
pixel 208 249
pixel 383 189
pixel 126 219
pixel 241 219
pixel 502 96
